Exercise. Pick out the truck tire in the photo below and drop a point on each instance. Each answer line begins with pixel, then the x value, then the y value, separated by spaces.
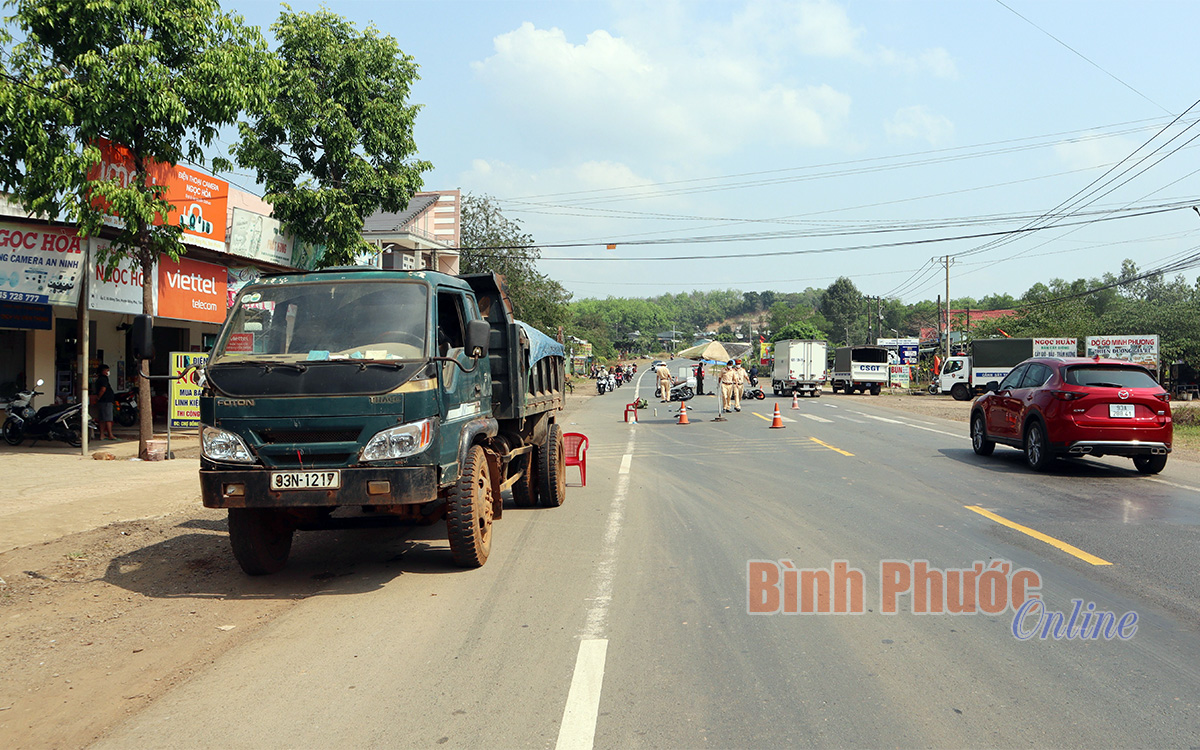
pixel 469 511
pixel 960 392
pixel 876 389
pixel 552 469
pixel 524 490
pixel 261 539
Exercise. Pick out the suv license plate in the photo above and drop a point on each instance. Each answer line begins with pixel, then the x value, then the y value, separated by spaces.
pixel 306 480
pixel 1120 411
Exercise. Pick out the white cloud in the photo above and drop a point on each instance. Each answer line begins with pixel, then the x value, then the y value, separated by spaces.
pixel 918 123
pixel 936 61
pixel 671 101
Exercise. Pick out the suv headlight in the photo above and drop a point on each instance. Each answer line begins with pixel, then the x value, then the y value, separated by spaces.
pixel 398 442
pixel 222 445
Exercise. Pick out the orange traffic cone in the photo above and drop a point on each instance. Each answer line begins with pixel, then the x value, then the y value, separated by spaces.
pixel 683 413
pixel 777 421
pixel 795 400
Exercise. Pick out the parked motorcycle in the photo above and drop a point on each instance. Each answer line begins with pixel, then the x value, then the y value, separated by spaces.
pixel 680 391
pixel 60 422
pixel 125 408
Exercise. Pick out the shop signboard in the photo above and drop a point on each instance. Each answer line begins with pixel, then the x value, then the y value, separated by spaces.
pixel 191 290
pixel 26 316
pixel 40 265
pixel 900 375
pixel 1065 347
pixel 306 255
pixel 198 201
pixel 185 391
pixel 236 278
pixel 114 287
pixel 1142 349
pixel 906 349
pixel 259 237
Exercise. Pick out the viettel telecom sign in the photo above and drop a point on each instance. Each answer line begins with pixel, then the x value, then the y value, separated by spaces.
pixel 191 290
pixel 198 201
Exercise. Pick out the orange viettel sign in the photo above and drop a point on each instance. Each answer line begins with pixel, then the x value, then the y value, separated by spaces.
pixel 198 201
pixel 191 290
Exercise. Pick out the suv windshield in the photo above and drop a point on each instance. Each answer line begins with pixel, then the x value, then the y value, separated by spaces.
pixel 1098 376
pixel 326 321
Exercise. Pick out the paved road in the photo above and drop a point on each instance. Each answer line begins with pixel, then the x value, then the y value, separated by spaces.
pixel 621 617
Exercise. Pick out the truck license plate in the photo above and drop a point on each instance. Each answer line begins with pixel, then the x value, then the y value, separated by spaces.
pixel 306 480
pixel 1120 411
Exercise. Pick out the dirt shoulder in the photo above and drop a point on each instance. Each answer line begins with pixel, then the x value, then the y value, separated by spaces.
pixel 116 584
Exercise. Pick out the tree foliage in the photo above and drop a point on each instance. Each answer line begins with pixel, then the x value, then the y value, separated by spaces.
pixel 493 243
pixel 333 143
pixel 157 77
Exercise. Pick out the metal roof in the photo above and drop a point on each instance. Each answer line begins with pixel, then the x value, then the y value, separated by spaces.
pixel 389 222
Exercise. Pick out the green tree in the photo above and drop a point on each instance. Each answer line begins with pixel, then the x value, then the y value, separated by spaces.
pixel 842 306
pixel 493 243
pixel 333 143
pixel 157 77
pixel 798 330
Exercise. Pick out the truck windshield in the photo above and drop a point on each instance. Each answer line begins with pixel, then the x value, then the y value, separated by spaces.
pixel 326 321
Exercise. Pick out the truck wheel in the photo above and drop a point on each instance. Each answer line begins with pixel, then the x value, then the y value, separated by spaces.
pixel 552 469
pixel 524 490
pixel 261 539
pixel 469 512
pixel 960 392
pixel 875 390
pixel 1150 464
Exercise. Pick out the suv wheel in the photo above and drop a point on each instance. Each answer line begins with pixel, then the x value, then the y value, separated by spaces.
pixel 979 438
pixel 1037 450
pixel 1150 464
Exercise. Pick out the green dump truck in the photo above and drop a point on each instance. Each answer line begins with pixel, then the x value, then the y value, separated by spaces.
pixel 357 396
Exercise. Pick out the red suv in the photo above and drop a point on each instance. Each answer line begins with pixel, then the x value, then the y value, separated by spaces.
pixel 1051 407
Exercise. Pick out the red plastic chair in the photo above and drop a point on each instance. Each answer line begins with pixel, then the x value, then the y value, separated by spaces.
pixel 575 446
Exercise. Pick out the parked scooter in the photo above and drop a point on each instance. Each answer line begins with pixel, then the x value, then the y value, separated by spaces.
pixel 125 408
pixel 680 391
pixel 59 422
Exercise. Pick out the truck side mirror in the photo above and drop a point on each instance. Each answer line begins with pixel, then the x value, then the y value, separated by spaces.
pixel 143 337
pixel 478 333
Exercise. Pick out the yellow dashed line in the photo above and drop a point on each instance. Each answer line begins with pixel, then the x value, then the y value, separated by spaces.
pixel 1069 549
pixel 830 447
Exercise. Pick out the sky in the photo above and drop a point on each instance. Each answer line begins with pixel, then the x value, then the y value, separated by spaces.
pixel 674 146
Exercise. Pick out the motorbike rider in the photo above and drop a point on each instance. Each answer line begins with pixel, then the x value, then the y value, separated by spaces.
pixel 105 404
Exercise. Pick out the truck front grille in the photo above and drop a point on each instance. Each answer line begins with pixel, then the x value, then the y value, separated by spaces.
pixel 302 437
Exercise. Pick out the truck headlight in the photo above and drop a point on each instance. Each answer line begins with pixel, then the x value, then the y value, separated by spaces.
pixel 398 442
pixel 222 445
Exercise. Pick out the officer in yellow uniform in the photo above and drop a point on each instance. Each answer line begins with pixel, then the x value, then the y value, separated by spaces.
pixel 729 385
pixel 740 378
pixel 663 373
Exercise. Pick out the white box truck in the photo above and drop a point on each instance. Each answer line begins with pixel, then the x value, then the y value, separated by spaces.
pixel 799 367
pixel 860 368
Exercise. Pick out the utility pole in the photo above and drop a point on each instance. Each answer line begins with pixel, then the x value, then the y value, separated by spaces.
pixel 946 259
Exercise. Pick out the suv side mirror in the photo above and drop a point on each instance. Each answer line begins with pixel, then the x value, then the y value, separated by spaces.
pixel 992 386
pixel 143 337
pixel 478 333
